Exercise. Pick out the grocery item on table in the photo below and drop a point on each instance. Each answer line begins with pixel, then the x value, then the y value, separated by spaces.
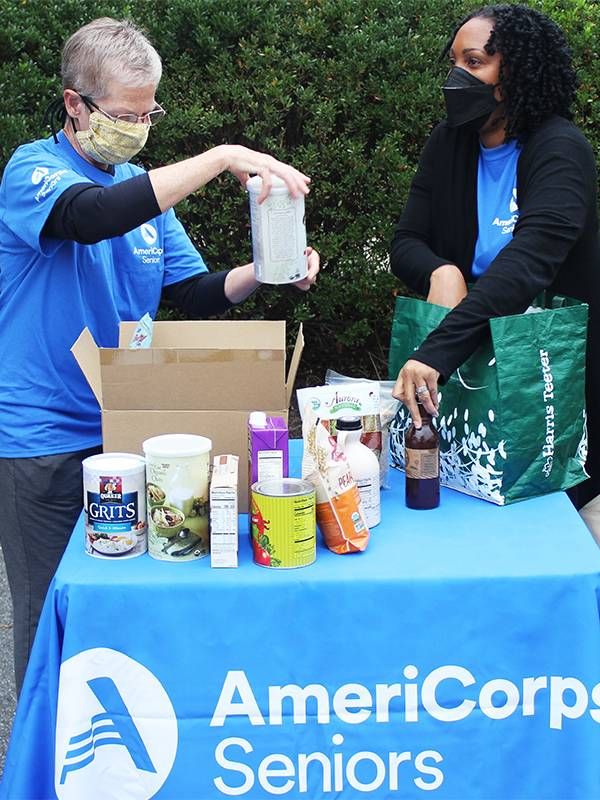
pixel 224 512
pixel 177 478
pixel 282 514
pixel 114 504
pixel 363 465
pixel 388 406
pixel 329 403
pixel 278 233
pixel 422 459
pixel 339 511
pixel 268 447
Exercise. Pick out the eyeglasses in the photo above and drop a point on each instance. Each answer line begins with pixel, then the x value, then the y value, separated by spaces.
pixel 150 118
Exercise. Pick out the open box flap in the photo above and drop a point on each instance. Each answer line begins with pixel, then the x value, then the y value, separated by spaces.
pixel 87 355
pixel 225 334
pixel 294 364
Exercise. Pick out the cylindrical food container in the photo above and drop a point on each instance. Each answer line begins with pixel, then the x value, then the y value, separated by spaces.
pixel 177 476
pixel 114 504
pixel 278 233
pixel 283 523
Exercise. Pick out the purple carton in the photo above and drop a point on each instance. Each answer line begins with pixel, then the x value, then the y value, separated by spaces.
pixel 268 450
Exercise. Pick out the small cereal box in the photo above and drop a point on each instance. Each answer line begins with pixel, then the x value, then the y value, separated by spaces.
pixel 224 512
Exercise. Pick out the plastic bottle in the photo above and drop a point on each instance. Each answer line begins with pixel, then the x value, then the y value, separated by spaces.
pixel 364 467
pixel 422 456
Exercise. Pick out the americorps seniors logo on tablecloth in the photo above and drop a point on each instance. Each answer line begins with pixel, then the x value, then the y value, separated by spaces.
pixel 115 727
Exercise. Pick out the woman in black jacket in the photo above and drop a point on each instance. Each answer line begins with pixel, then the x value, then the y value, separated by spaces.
pixel 504 198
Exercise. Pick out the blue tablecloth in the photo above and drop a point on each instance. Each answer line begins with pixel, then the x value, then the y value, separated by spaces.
pixel 456 658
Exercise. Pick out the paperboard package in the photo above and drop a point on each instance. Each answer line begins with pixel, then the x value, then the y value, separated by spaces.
pixel 268 447
pixel 198 377
pixel 224 512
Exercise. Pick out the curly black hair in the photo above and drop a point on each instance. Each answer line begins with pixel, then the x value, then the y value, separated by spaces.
pixel 536 72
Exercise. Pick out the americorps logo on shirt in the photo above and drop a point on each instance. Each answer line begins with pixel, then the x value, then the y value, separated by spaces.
pixel 115 727
pixel 38 174
pixel 153 253
pixel 149 233
pixel 48 181
pixel 508 224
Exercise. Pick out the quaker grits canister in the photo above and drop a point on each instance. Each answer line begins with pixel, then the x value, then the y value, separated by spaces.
pixel 114 504
pixel 283 521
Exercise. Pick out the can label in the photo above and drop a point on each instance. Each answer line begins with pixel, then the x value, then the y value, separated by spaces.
pixel 115 513
pixel 177 495
pixel 283 523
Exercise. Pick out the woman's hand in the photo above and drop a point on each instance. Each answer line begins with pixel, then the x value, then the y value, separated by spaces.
pixel 447 286
pixel 416 378
pixel 241 161
pixel 313 270
pixel 171 184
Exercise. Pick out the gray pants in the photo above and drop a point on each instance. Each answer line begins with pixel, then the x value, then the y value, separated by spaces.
pixel 42 499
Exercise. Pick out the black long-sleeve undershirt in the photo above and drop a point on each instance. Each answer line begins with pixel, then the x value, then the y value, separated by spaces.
pixel 88 213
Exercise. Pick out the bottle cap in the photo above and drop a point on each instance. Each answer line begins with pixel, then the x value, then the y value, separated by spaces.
pixel 258 419
pixel 348 424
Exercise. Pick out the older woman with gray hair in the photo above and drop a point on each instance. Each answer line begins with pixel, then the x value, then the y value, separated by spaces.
pixel 87 239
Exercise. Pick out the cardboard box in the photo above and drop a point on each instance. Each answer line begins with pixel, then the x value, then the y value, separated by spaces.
pixel 198 377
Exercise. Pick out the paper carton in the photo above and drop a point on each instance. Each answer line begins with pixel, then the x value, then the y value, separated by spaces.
pixel 224 512
pixel 197 377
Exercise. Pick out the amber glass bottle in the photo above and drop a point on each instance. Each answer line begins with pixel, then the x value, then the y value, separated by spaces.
pixel 422 454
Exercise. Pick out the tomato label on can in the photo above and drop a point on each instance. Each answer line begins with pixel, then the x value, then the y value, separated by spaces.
pixel 283 523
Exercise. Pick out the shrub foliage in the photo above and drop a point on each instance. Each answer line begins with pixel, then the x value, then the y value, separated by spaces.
pixel 345 91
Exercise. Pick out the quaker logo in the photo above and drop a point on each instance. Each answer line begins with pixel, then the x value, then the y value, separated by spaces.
pixel 149 233
pixel 111 489
pixel 115 727
pixel 111 508
pixel 38 174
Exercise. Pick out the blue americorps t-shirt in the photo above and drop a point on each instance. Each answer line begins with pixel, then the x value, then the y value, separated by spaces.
pixel 51 289
pixel 497 209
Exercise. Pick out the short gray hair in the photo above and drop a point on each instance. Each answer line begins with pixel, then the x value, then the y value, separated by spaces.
pixel 105 50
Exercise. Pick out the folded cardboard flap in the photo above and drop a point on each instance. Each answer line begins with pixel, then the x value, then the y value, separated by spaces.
pixel 241 365
pixel 221 334
pixel 87 355
pixel 294 364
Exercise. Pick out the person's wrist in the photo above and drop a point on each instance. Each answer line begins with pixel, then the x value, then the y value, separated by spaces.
pixel 222 155
pixel 444 271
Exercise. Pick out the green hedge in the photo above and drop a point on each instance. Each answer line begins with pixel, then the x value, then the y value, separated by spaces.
pixel 346 91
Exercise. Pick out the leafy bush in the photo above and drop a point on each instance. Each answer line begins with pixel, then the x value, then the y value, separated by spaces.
pixel 346 91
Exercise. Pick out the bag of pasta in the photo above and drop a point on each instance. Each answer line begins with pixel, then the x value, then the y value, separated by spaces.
pixel 339 512
pixel 388 407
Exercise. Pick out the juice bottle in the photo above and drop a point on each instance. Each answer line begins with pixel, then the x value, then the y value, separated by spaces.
pixel 422 454
pixel 364 467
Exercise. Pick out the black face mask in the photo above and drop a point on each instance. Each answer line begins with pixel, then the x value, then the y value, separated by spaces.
pixel 468 100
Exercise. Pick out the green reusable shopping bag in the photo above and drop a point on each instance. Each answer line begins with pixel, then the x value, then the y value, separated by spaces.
pixel 512 418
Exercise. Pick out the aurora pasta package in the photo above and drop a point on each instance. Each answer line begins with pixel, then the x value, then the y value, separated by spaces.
pixel 340 515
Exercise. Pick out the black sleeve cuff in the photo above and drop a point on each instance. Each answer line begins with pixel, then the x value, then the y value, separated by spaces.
pixel 200 296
